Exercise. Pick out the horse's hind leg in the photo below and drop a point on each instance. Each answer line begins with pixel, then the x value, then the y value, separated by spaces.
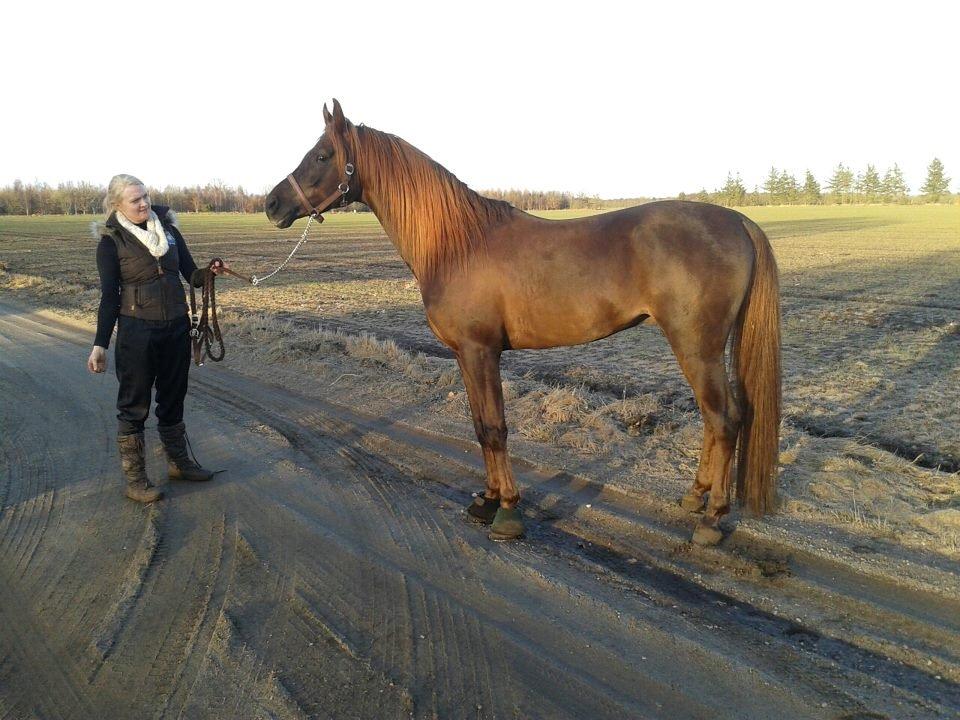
pixel 480 366
pixel 721 422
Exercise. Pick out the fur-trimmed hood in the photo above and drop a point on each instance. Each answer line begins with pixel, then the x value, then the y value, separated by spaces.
pixel 168 218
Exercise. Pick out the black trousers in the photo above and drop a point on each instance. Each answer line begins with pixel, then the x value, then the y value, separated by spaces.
pixel 151 353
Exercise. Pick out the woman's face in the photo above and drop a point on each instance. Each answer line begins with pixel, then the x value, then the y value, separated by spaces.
pixel 135 203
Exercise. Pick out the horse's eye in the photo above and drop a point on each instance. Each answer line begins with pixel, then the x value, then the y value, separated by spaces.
pixel 321 157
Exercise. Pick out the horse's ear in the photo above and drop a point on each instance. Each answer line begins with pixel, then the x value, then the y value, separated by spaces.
pixel 339 121
pixel 327 117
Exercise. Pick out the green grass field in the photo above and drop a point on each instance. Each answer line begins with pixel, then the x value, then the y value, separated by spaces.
pixel 871 344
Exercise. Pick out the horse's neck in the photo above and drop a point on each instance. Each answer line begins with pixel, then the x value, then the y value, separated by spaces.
pixel 406 245
pixel 390 228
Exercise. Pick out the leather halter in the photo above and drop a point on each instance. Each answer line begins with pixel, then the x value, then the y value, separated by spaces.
pixel 340 194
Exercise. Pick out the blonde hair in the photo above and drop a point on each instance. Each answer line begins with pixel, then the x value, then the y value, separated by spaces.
pixel 115 190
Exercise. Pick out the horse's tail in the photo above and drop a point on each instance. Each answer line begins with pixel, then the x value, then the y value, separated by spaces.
pixel 756 365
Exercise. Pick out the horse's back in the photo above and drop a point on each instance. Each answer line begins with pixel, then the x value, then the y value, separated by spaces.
pixel 667 247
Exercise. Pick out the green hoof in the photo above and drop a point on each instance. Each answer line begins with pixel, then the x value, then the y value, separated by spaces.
pixel 483 510
pixel 706 534
pixel 507 525
pixel 692 503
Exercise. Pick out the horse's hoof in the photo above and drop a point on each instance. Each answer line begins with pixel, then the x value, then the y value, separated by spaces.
pixel 692 503
pixel 507 525
pixel 706 534
pixel 483 510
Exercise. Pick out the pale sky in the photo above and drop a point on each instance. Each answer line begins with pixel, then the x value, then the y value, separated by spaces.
pixel 615 99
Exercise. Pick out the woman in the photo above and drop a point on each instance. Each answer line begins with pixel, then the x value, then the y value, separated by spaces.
pixel 140 258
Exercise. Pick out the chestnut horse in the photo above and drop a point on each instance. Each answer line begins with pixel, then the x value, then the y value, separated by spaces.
pixel 494 278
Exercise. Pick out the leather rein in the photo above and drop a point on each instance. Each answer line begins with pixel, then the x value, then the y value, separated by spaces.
pixel 204 326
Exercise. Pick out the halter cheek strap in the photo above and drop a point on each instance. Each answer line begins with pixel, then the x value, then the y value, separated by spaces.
pixel 303 198
pixel 340 194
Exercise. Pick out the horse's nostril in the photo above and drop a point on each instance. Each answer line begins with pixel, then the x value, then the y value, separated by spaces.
pixel 272 203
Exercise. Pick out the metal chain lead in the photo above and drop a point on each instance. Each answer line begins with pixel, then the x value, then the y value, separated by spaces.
pixel 257 280
pixel 344 188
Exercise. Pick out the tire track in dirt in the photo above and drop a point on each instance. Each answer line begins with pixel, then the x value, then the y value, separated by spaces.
pixel 415 530
pixel 57 686
pixel 234 682
pixel 429 595
pixel 134 577
pixel 267 614
pixel 35 441
pixel 27 500
pixel 213 606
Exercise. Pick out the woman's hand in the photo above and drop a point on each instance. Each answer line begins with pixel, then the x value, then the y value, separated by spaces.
pixel 218 266
pixel 97 362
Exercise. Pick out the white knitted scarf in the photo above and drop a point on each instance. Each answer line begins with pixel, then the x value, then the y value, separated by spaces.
pixel 154 238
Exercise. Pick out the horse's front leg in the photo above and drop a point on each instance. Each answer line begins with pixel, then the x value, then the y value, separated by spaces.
pixel 480 366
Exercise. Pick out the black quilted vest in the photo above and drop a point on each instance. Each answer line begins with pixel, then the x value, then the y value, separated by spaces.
pixel 150 287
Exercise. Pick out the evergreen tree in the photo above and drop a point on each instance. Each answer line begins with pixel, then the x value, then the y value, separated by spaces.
pixel 772 186
pixel 811 189
pixel 733 192
pixel 870 184
pixel 789 192
pixel 894 187
pixel 840 184
pixel 937 183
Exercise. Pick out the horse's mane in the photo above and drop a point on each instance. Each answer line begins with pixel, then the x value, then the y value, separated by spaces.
pixel 438 222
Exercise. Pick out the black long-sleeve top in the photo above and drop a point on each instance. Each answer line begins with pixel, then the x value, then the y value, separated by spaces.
pixel 108 265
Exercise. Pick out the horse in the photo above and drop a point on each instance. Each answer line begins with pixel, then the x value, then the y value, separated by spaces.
pixel 494 278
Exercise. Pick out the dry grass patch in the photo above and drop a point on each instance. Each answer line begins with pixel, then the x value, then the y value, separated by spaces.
pixel 264 338
pixel 851 485
pixel 75 299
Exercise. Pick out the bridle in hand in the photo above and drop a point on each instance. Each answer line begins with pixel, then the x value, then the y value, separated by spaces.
pixel 204 327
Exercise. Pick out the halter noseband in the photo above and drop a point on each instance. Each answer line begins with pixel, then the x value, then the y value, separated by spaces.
pixel 340 194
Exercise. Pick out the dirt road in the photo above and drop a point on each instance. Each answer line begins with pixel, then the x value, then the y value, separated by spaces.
pixel 329 572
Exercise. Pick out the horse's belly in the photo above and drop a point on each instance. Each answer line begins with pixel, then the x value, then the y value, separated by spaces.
pixel 558 325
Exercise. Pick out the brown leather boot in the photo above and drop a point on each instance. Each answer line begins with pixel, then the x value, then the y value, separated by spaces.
pixel 179 463
pixel 134 467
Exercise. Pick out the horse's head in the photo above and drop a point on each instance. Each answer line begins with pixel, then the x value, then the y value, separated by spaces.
pixel 323 178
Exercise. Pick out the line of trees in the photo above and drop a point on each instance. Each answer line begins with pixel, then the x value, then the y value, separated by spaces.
pixel 843 187
pixel 549 200
pixel 780 188
pixel 87 199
